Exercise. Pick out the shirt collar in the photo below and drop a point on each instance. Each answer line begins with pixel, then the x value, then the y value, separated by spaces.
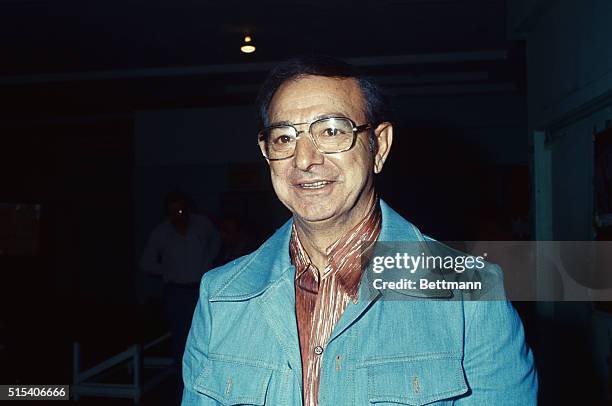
pixel 343 256
pixel 270 264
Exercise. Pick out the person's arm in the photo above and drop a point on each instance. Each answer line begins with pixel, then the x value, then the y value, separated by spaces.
pixel 213 242
pixel 498 363
pixel 196 349
pixel 150 261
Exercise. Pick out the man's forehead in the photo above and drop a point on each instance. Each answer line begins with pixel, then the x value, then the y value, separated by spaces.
pixel 312 96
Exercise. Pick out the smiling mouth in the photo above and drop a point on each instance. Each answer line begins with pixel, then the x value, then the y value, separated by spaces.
pixel 314 185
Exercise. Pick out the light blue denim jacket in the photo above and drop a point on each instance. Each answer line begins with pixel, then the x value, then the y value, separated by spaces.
pixel 243 347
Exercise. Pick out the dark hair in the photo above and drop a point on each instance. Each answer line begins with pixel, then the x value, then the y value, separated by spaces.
pixel 376 106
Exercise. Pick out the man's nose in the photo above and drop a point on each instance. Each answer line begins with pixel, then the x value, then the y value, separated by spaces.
pixel 306 153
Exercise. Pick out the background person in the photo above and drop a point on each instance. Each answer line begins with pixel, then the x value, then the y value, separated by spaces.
pixel 180 250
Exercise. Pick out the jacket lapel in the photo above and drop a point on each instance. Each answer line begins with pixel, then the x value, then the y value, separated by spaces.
pixel 394 228
pixel 266 276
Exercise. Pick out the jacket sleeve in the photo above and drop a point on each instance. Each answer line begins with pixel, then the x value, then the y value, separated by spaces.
pixel 196 349
pixel 498 363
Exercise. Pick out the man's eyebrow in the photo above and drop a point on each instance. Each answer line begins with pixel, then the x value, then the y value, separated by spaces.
pixel 315 118
pixel 284 122
pixel 328 115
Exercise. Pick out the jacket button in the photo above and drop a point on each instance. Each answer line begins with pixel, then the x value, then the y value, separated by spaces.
pixel 318 350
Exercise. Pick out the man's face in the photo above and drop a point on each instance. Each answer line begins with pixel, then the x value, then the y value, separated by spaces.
pixel 178 214
pixel 347 177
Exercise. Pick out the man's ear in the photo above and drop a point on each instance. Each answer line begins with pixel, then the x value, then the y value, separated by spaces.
pixel 384 139
pixel 262 153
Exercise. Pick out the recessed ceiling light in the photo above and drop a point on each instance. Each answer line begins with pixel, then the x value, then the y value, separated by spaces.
pixel 248 46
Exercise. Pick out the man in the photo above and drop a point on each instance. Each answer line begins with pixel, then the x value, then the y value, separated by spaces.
pixel 180 250
pixel 291 324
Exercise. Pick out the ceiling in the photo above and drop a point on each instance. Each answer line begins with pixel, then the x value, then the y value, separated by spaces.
pixel 40 36
pixel 160 51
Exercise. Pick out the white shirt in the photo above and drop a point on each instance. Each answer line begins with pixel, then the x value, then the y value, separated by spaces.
pixel 181 259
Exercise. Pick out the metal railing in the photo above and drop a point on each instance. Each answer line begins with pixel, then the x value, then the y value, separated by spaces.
pixel 87 382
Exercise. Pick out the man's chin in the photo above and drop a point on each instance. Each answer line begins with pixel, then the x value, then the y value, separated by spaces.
pixel 314 216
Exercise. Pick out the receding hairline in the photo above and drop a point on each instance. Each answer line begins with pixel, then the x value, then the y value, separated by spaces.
pixel 303 76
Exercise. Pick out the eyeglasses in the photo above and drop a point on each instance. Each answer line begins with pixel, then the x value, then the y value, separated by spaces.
pixel 330 135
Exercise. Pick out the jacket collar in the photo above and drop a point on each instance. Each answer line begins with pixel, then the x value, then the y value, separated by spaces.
pixel 267 265
pixel 271 263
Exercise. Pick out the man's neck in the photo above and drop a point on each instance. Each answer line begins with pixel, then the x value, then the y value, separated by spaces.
pixel 317 237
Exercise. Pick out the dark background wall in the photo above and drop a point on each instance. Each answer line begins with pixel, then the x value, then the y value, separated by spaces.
pixel 569 76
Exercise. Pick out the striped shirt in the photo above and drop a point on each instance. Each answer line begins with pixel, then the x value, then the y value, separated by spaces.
pixel 322 297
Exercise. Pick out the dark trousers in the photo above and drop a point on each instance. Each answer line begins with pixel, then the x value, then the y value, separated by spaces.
pixel 180 303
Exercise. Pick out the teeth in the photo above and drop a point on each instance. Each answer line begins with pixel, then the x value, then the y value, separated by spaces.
pixel 315 185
